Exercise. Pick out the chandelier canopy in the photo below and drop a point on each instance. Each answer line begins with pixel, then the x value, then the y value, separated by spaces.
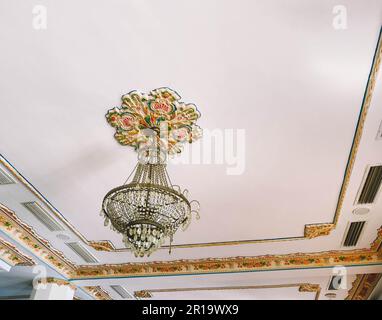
pixel 148 208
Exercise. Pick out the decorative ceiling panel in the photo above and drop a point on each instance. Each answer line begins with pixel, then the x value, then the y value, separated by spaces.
pixel 300 103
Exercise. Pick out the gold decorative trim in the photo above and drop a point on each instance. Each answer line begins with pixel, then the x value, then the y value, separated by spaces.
pixel 223 243
pixel 309 287
pixel 302 287
pixel 318 230
pixel 103 245
pixel 22 233
pixel 363 286
pixel 361 121
pixel 59 282
pixel 143 294
pixel 97 292
pixel 13 256
pixel 354 286
pixel 376 245
pixel 25 235
pixel 237 264
pixel 11 225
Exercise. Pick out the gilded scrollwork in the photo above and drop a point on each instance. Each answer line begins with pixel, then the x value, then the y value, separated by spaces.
pixel 97 292
pixel 59 282
pixel 318 230
pixel 308 287
pixel 104 245
pixel 13 256
pixel 143 294
pixel 363 286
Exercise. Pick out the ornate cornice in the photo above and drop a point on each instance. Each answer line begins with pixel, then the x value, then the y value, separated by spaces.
pixel 234 264
pixel 59 282
pixel 97 292
pixel 13 256
pixel 363 286
pixel 238 264
pixel 302 287
pixel 26 236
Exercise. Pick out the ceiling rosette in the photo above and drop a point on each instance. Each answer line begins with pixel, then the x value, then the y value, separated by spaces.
pixel 172 121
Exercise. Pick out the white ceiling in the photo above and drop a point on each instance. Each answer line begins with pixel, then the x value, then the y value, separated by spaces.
pixel 280 71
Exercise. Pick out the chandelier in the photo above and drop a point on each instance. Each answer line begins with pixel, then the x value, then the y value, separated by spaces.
pixel 148 209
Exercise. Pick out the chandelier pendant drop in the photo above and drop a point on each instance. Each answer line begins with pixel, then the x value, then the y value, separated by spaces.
pixel 148 209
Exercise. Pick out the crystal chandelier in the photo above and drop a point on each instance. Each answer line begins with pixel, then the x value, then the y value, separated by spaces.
pixel 148 208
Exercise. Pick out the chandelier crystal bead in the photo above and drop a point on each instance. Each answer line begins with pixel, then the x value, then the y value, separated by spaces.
pixel 147 210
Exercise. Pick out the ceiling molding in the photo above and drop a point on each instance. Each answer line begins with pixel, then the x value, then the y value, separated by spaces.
pixel 59 282
pixel 97 292
pixel 11 225
pixel 234 264
pixel 13 256
pixel 103 245
pixel 317 230
pixel 371 256
pixel 302 287
pixel 22 233
pixel 39 195
pixel 361 121
pixel 363 286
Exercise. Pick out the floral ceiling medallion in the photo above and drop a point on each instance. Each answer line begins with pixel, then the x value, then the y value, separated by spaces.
pixel 160 111
pixel 148 209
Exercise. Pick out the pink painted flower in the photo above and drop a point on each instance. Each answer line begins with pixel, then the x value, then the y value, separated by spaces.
pixel 161 106
pixel 127 122
pixel 180 134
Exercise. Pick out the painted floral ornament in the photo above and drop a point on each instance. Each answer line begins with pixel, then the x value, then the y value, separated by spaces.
pixel 161 111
